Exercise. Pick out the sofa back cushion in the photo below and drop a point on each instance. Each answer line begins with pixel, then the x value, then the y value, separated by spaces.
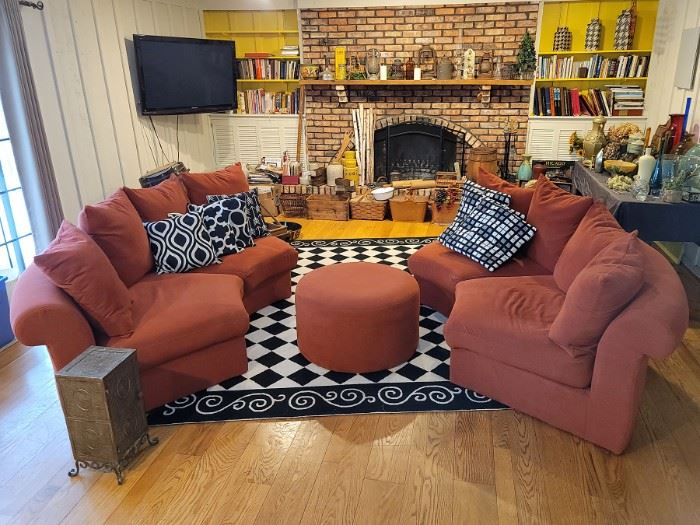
pixel 598 294
pixel 520 198
pixel 154 204
pixel 226 181
pixel 597 229
pixel 556 214
pixel 115 225
pixel 77 265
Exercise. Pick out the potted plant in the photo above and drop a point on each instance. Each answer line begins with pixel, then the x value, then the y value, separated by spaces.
pixel 527 59
pixel 672 188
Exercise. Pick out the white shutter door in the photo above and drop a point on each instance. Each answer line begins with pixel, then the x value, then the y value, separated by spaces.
pixel 270 134
pixel 224 141
pixel 247 141
pixel 540 143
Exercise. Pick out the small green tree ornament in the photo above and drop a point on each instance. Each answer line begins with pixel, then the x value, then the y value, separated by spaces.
pixel 527 58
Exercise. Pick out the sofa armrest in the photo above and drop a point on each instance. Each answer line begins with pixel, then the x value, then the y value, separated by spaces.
pixel 43 314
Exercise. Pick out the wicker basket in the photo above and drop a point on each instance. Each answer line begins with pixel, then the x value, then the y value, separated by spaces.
pixel 445 215
pixel 367 208
pixel 408 208
pixel 293 204
pixel 328 207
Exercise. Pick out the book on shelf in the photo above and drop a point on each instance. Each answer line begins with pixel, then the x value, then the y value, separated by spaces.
pixel 261 102
pixel 556 101
pixel 599 66
pixel 267 69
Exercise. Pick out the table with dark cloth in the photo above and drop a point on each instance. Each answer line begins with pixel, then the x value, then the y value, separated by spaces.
pixel 655 220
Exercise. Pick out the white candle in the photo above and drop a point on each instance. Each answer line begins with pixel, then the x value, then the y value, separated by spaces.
pixel 416 73
pixel 383 72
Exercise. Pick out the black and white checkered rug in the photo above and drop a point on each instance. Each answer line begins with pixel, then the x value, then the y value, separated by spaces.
pixel 281 383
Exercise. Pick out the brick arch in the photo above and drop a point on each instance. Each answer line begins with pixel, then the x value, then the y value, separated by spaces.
pixel 472 140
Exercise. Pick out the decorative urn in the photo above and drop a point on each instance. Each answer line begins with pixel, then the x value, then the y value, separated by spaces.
pixel 594 140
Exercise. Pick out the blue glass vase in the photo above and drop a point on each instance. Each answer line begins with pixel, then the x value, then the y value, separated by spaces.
pixel 525 169
pixel 656 180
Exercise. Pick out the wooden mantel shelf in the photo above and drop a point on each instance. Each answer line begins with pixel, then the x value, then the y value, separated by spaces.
pixel 453 82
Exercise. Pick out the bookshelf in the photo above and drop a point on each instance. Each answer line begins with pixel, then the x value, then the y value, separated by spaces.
pixel 259 32
pixel 576 15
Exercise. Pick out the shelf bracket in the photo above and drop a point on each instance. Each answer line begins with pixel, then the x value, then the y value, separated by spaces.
pixel 484 96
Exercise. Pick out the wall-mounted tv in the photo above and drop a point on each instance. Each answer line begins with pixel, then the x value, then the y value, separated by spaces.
pixel 185 75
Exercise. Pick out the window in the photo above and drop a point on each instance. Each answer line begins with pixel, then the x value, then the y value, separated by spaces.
pixel 16 240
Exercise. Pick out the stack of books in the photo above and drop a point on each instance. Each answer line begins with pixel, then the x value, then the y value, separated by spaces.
pixel 573 102
pixel 626 101
pixel 290 51
pixel 259 101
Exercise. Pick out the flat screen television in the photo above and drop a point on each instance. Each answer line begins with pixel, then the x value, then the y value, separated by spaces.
pixel 185 75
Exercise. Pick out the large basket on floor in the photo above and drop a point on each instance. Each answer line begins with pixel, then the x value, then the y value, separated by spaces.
pixel 408 208
pixel 293 204
pixel 367 208
pixel 328 207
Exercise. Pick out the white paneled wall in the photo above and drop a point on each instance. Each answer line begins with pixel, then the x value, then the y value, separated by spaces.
pixel 83 63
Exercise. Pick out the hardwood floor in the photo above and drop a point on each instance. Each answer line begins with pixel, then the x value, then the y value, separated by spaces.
pixel 472 467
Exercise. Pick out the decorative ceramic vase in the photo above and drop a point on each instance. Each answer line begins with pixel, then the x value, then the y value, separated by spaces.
pixel 525 169
pixel 594 140
pixel 372 63
pixel 562 39
pixel 593 31
pixel 624 28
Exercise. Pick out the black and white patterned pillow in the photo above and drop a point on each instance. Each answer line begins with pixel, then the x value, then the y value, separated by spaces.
pixel 254 210
pixel 490 233
pixel 227 223
pixel 472 192
pixel 180 243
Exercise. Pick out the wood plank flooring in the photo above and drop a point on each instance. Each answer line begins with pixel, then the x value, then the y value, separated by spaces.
pixel 441 468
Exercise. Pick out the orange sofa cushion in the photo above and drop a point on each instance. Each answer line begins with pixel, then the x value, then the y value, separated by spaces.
pixel 77 265
pixel 507 319
pixel 269 257
pixel 177 314
pixel 597 229
pixel 154 204
pixel 520 198
pixel 446 268
pixel 598 294
pixel 225 181
pixel 556 214
pixel 115 225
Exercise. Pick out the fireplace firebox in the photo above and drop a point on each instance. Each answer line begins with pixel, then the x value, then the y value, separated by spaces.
pixel 417 147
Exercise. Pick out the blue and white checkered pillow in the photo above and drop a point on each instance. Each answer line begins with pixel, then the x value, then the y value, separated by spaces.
pixel 472 192
pixel 490 233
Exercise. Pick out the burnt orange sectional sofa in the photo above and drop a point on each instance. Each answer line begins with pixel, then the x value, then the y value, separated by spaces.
pixel 189 329
pixel 499 326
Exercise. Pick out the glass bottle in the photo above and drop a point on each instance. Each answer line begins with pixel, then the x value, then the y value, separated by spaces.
pixel 408 68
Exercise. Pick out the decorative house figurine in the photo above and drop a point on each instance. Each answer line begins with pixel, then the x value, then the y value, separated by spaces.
pixel 562 39
pixel 594 29
pixel 624 28
pixel 469 64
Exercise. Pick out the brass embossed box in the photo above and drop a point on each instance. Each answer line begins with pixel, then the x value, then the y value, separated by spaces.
pixel 101 398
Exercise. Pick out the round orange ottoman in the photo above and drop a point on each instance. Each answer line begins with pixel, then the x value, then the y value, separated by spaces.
pixel 357 317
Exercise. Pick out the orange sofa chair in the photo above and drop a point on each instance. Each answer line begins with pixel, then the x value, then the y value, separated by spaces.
pixel 189 328
pixel 499 326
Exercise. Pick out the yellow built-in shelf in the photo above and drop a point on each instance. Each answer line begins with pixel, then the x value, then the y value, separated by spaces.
pixel 261 32
pixel 285 80
pixel 607 79
pixel 599 52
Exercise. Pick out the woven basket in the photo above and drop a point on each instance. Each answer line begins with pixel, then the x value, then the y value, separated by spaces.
pixel 293 204
pixel 328 207
pixel 408 208
pixel 367 208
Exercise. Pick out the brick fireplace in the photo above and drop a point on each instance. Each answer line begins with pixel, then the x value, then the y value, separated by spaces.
pixel 400 32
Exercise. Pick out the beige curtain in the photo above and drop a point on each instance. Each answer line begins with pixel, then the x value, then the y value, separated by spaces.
pixel 26 127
